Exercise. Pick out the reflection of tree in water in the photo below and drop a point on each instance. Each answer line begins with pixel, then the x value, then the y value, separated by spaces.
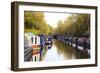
pixel 69 52
pixel 66 51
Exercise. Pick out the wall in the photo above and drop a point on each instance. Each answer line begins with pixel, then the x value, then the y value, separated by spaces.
pixel 5 34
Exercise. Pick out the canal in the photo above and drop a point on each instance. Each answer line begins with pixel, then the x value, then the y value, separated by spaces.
pixel 59 51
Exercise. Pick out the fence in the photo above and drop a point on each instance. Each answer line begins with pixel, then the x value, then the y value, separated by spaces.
pixel 77 42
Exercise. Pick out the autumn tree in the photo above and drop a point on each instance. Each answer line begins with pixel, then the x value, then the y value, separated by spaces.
pixel 75 25
pixel 34 22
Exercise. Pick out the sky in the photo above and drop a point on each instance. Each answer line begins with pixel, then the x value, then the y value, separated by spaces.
pixel 53 18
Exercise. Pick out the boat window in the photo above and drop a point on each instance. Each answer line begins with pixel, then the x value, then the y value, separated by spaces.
pixel 35 40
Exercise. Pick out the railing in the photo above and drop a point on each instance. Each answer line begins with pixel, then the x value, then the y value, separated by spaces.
pixel 77 42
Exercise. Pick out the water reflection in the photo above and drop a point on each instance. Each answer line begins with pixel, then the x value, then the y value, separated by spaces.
pixel 65 50
pixel 70 52
pixel 58 51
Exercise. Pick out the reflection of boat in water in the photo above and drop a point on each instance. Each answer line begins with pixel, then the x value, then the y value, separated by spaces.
pixel 39 54
pixel 36 55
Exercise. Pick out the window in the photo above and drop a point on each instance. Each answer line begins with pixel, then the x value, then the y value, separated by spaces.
pixel 35 40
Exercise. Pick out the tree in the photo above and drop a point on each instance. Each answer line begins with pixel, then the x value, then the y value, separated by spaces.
pixel 35 22
pixel 76 25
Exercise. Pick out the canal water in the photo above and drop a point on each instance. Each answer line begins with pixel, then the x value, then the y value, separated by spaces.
pixel 59 51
